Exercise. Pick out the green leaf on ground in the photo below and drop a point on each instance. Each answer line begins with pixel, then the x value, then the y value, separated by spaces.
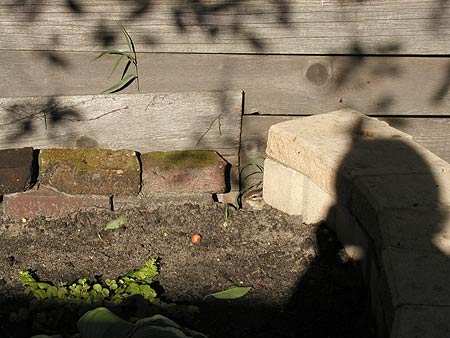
pixel 231 293
pixel 116 223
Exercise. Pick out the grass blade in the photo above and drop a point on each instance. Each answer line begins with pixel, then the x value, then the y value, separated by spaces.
pixel 125 70
pixel 122 84
pixel 251 174
pixel 260 167
pixel 113 52
pixel 130 44
pixel 116 65
pixel 128 38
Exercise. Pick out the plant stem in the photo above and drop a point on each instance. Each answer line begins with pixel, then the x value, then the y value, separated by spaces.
pixel 137 74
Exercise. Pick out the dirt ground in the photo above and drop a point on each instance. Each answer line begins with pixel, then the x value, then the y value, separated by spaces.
pixel 300 287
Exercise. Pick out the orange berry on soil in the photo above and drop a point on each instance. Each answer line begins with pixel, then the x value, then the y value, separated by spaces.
pixel 196 238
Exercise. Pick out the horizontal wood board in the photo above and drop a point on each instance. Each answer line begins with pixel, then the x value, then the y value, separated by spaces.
pixel 273 84
pixel 143 122
pixel 432 133
pixel 228 26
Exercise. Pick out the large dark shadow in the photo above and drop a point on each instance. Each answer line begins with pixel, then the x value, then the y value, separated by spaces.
pixel 393 171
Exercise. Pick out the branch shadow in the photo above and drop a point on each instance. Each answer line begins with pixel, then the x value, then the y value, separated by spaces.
pixel 225 16
pixel 24 118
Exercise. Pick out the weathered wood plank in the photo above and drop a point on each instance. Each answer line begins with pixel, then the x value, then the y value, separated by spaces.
pixel 274 84
pixel 143 122
pixel 432 133
pixel 229 26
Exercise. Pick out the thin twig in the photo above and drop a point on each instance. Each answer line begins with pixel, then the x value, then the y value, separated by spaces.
pixel 209 128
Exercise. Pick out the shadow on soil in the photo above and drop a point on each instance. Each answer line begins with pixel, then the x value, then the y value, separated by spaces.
pixel 328 301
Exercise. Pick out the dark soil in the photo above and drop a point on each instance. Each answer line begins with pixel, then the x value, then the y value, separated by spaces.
pixel 300 286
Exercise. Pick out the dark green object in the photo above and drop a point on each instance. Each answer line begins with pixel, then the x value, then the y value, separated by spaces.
pixel 131 57
pixel 231 293
pixel 135 282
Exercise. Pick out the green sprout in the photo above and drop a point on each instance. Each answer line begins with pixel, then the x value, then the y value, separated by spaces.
pixel 131 57
pixel 135 282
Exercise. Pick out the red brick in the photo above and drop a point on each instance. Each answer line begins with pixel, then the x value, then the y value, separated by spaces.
pixel 48 202
pixel 90 171
pixel 183 171
pixel 15 169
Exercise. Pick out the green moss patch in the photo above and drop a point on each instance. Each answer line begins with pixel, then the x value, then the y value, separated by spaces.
pixel 89 160
pixel 181 158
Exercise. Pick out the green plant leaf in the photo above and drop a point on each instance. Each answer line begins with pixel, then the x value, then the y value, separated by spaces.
pixel 42 285
pixel 97 287
pixel 231 293
pixel 62 292
pixel 116 223
pixel 122 84
pixel 125 70
pixel 251 174
pixel 254 163
pixel 101 322
pixel 114 52
pixel 116 65
pixel 52 291
pixel 130 43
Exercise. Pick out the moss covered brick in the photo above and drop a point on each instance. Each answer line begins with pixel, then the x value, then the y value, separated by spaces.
pixel 90 171
pixel 183 171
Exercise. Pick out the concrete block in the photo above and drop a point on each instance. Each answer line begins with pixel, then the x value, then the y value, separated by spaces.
pixel 318 146
pixel 380 299
pixel 417 278
pixel 420 230
pixel 377 311
pixel 283 187
pixel 334 148
pixel 373 194
pixel 421 322
pixel 90 171
pixel 317 204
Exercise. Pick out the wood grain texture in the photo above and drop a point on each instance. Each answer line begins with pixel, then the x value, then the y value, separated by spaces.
pixel 229 26
pixel 142 122
pixel 273 84
pixel 432 133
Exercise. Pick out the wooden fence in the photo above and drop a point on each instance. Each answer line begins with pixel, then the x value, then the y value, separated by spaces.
pixel 291 57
